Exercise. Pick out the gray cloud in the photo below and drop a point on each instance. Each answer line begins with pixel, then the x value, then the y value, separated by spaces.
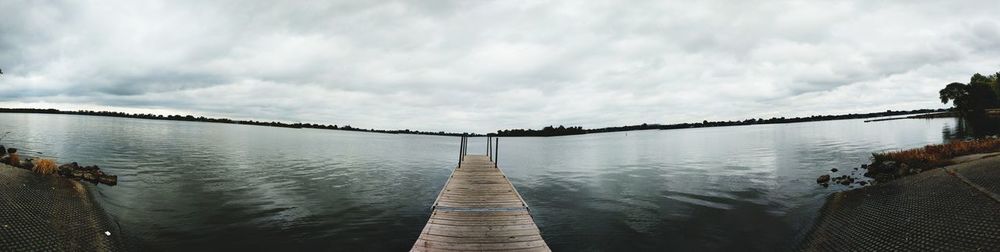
pixel 484 65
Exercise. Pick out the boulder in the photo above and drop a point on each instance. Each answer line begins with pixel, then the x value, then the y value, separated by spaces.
pixel 833 170
pixel 90 177
pixel 823 179
pixel 66 170
pixel 846 181
pixel 27 164
pixel 108 179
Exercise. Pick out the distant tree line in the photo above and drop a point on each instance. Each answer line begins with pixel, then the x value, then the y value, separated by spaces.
pixel 562 130
pixel 225 120
pixel 546 131
pixel 973 98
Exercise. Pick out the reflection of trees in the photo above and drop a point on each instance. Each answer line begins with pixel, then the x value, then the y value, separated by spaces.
pixel 974 127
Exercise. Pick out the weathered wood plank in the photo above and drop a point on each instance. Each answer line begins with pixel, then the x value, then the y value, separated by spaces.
pixel 520 238
pixel 479 210
pixel 498 222
pixel 482 234
pixel 479 215
pixel 482 246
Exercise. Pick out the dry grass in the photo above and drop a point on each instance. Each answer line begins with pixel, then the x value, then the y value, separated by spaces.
pixel 938 155
pixel 45 166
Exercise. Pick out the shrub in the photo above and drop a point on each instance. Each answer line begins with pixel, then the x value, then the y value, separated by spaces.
pixel 937 155
pixel 45 166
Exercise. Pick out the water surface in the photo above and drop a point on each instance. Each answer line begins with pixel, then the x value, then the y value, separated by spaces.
pixel 208 186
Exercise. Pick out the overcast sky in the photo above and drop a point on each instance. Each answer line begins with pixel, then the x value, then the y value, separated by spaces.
pixel 486 65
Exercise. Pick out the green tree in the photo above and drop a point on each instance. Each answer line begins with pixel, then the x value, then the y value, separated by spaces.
pixel 973 98
pixel 956 92
pixel 993 81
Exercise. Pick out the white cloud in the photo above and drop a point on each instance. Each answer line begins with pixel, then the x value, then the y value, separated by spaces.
pixel 485 65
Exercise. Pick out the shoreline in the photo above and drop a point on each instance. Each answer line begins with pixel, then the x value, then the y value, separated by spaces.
pixel 893 165
pixel 202 119
pixel 545 132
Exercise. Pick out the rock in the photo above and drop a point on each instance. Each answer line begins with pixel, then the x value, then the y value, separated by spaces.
pixel 823 179
pixel 864 166
pixel 833 170
pixel 845 182
pixel 862 183
pixel 89 177
pixel 108 179
pixel 27 165
pixel 65 170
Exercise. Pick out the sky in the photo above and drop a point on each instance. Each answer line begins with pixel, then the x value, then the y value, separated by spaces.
pixel 479 66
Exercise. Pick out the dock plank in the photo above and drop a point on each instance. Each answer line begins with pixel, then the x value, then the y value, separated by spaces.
pixel 479 210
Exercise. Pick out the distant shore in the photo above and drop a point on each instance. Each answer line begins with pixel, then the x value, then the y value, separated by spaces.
pixel 544 132
pixel 191 118
pixel 562 131
pixel 945 114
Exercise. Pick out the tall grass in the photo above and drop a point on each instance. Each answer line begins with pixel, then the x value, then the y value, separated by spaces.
pixel 937 155
pixel 44 166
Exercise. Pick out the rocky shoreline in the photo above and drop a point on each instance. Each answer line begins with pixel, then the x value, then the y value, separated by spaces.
pixel 93 174
pixel 888 166
pixel 854 177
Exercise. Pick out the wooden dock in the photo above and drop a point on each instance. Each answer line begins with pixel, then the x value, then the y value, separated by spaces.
pixel 479 210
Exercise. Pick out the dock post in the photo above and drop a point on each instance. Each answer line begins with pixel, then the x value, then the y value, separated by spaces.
pixel 460 143
pixel 496 155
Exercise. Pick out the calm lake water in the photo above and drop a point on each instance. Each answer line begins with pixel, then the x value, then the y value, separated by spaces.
pixel 207 186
